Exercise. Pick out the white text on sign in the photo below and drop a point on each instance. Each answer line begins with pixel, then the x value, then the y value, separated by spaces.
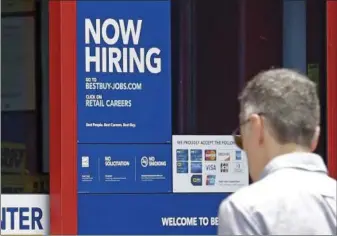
pixel 119 59
pixel 189 221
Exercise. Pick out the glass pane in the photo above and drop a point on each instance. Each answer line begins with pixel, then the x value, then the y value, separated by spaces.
pixel 316 60
pixel 219 45
pixel 206 76
pixel 21 143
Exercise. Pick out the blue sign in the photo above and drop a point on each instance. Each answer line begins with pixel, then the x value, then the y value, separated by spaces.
pixel 124 168
pixel 123 72
pixel 149 214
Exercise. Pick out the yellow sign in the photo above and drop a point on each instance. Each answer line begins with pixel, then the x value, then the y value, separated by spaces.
pixel 13 183
pixel 14 6
pixel 38 184
pixel 13 157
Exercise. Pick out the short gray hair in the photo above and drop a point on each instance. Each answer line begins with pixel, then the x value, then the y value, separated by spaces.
pixel 288 100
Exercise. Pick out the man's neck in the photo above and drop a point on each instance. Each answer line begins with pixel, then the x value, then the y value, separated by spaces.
pixel 286 149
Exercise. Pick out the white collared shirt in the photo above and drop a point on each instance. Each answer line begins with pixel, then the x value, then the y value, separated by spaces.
pixel 294 196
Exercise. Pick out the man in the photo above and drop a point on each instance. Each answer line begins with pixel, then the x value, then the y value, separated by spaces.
pixel 292 193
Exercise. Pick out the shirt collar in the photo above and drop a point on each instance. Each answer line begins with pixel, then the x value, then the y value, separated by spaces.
pixel 297 160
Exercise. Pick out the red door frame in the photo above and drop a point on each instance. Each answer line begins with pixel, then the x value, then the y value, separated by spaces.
pixel 62 88
pixel 332 86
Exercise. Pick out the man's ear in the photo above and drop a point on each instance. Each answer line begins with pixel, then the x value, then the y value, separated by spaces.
pixel 257 126
pixel 315 139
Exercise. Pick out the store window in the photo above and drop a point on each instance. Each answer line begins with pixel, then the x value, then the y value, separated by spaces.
pixel 22 79
pixel 216 47
pixel 221 44
pixel 206 78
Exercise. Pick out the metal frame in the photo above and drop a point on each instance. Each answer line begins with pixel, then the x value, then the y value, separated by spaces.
pixel 332 86
pixel 62 88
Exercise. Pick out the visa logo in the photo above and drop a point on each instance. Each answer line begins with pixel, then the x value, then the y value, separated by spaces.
pixel 211 167
pixel 22 218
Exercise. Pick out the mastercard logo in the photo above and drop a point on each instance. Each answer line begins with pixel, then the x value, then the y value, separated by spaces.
pixel 210 155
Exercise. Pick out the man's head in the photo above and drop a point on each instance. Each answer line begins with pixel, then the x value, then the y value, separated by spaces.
pixel 280 113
